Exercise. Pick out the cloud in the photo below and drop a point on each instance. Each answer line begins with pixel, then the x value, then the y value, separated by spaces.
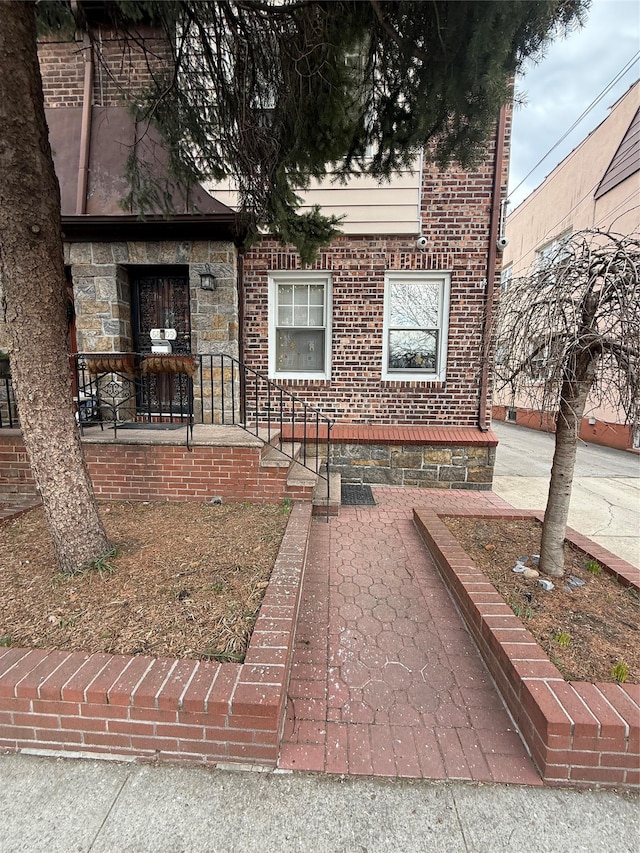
pixel 563 84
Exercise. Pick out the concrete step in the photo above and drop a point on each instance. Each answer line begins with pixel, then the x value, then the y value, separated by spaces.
pixel 319 501
pixel 300 476
pixel 271 457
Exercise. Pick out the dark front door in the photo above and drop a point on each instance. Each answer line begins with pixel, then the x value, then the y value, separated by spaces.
pixel 160 300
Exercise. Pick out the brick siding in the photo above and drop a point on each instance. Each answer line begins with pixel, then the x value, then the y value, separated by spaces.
pixel 121 70
pixel 162 709
pixel 356 392
pixel 159 472
pixel 578 733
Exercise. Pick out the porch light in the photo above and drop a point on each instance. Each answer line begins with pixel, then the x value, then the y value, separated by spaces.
pixel 207 279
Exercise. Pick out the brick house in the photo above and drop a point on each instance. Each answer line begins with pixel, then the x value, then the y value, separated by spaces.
pixel 389 339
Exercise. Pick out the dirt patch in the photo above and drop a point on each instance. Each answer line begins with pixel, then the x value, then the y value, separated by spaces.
pixel 586 630
pixel 187 581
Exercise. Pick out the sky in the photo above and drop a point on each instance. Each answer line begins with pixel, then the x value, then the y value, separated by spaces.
pixel 572 74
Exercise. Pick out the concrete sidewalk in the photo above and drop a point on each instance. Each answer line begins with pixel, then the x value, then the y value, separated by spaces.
pixel 65 805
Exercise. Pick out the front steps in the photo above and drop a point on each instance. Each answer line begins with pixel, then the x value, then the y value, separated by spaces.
pixel 300 477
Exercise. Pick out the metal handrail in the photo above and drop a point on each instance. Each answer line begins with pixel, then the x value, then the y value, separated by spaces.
pixel 223 391
pixel 259 404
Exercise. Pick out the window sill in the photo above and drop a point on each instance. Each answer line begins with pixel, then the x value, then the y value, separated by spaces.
pixel 435 384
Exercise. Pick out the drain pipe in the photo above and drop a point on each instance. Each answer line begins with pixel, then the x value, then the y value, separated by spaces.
pixel 241 297
pixel 85 129
pixel 494 234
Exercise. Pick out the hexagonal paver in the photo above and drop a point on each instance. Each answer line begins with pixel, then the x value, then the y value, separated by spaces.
pixel 389 641
pixel 373 657
pixel 378 695
pixel 350 612
pixel 423 697
pixel 349 589
pixel 405 627
pixel 363 581
pixel 368 626
pixel 397 676
pixel 384 613
pixel 366 601
pixel 351 639
pixel 438 675
pixel 413 657
pixel 355 674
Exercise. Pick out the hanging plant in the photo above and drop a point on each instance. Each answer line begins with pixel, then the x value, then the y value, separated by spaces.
pixel 116 363
pixel 169 364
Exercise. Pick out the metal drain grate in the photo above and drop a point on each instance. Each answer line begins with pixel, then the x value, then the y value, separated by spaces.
pixel 356 494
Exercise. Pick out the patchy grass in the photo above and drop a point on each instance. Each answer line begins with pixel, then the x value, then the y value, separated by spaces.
pixel 183 580
pixel 591 632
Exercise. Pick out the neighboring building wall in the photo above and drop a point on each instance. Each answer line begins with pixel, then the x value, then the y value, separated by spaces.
pixel 565 200
pixel 563 204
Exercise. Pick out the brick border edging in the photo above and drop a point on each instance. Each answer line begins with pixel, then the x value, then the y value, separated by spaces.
pixel 578 734
pixel 144 708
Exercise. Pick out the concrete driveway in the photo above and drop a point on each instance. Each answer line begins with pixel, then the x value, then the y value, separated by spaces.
pixel 605 500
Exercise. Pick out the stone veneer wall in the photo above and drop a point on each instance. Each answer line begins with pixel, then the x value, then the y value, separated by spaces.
pixel 426 466
pixel 101 282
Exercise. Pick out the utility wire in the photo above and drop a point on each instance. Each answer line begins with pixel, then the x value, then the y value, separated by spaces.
pixel 591 106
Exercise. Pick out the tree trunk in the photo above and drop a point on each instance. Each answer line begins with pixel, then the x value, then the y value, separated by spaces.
pixel 32 275
pixel 573 399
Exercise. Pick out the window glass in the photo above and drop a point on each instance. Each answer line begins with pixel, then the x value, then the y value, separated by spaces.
pixel 299 333
pixel 413 350
pixel 300 350
pixel 414 305
pixel 416 323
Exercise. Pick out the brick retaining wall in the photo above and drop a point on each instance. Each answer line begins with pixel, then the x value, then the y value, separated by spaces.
pixel 159 472
pixel 104 705
pixel 578 733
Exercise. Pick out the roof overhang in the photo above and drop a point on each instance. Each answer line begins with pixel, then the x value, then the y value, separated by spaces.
pixel 189 226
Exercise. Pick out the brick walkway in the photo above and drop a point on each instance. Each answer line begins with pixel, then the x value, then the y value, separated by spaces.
pixel 386 680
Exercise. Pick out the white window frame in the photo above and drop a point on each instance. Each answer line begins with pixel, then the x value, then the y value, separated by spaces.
pixel 439 374
pixel 506 276
pixel 553 250
pixel 305 277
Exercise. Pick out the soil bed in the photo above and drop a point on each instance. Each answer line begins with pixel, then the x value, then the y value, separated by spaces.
pixel 585 630
pixel 187 581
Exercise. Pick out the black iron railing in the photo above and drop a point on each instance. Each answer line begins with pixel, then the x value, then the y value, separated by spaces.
pixel 249 399
pixel 8 407
pixel 115 389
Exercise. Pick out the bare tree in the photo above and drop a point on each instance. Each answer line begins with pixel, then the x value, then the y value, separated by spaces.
pixel 568 334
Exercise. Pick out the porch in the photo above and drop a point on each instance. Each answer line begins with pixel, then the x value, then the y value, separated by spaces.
pixel 207 427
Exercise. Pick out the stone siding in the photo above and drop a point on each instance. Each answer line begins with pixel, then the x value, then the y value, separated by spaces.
pixel 101 275
pixel 426 466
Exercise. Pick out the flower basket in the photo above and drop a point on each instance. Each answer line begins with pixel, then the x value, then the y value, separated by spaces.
pixel 169 364
pixel 123 364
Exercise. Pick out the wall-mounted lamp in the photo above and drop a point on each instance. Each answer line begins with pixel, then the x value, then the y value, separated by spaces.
pixel 207 279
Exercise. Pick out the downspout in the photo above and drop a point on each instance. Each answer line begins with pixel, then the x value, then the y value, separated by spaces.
pixel 85 129
pixel 241 305
pixel 241 332
pixel 494 234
